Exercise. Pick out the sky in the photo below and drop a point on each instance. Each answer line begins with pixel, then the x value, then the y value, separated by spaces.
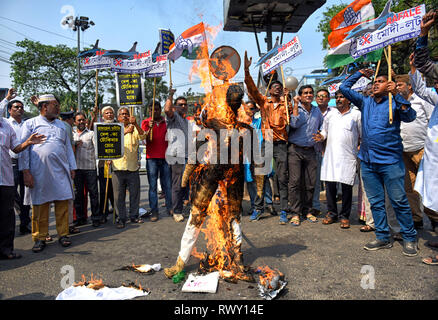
pixel 118 24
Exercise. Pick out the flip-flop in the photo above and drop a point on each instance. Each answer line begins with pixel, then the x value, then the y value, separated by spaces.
pixel 432 261
pixel 310 217
pixel 295 221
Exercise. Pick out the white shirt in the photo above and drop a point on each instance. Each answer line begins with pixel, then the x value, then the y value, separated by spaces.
pixel 17 128
pixel 8 141
pixel 414 133
pixel 342 132
pixel 85 154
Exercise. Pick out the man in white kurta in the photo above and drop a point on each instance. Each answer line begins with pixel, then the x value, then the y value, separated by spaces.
pixel 48 170
pixel 341 128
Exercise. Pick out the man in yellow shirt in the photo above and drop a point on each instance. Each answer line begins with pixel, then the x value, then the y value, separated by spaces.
pixel 125 170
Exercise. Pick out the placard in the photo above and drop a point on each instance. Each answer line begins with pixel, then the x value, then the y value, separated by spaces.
pixel 159 68
pixel 166 39
pixel 286 52
pixel 129 89
pixel 96 62
pixel 140 63
pixel 402 26
pixel 109 139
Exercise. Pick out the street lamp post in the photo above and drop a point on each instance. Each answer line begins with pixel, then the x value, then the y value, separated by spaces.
pixel 78 24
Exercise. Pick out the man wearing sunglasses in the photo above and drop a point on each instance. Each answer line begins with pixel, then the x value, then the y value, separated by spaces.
pixel 177 150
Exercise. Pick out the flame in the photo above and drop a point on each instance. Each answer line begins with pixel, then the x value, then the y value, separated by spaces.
pixel 266 276
pixel 217 228
pixel 95 284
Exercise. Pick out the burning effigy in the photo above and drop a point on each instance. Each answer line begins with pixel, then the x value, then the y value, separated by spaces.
pixel 217 182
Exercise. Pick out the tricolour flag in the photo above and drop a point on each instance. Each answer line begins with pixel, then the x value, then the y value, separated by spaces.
pixel 353 15
pixel 191 44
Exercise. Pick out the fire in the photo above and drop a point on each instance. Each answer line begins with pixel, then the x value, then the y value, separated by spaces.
pixel 218 227
pixel 269 278
pixel 95 284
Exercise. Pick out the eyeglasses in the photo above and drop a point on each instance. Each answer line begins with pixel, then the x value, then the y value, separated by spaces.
pixel 181 104
pixel 322 97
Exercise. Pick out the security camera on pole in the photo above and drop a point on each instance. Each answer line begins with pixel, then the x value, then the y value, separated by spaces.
pixel 77 24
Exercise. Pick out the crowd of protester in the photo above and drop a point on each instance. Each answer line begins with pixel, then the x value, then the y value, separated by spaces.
pixel 317 150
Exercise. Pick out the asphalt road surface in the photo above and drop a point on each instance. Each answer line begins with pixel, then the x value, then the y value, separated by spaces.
pixel 319 261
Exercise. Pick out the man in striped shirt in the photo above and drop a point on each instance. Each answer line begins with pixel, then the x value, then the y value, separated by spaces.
pixel 86 172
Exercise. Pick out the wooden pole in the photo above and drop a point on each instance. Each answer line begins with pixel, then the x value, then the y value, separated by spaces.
pixel 153 108
pixel 170 74
pixel 390 79
pixel 285 96
pixel 377 69
pixel 97 89
pixel 270 80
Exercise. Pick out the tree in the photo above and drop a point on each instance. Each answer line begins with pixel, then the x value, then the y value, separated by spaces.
pixel 52 69
pixel 400 50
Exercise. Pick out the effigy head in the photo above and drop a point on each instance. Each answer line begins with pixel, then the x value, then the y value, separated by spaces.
pixel 234 97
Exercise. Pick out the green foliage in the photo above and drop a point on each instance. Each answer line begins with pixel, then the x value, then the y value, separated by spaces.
pixel 52 69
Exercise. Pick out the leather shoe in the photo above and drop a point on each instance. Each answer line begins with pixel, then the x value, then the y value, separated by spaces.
pixel 328 220
pixel 378 244
pixel 410 248
pixel 39 246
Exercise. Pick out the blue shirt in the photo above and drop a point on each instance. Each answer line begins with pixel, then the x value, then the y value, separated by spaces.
pixel 381 142
pixel 303 126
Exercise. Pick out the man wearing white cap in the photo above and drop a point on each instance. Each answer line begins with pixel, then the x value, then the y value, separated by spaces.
pixel 48 170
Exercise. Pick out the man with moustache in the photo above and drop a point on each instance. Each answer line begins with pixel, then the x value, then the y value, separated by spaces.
pixel 275 116
pixel 305 121
pixel 125 170
pixel 107 113
pixel 16 111
pixel 341 129
pixel 156 166
pixel 48 170
pixel 381 158
pixel 86 172
pixel 322 100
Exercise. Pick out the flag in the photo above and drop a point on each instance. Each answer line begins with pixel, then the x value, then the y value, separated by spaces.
pixel 341 56
pixel 357 12
pixel 350 17
pixel 191 44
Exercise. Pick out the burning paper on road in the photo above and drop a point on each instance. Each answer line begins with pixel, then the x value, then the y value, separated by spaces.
pixel 271 282
pixel 96 290
pixel 142 268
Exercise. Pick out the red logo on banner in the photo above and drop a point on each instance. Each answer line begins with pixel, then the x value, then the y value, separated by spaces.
pixel 118 62
pixel 87 61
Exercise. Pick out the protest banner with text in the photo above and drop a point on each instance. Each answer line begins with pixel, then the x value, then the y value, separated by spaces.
pixel 109 139
pixel 286 52
pixel 129 89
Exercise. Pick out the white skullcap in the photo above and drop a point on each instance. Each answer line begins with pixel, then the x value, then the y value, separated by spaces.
pixel 46 98
pixel 106 107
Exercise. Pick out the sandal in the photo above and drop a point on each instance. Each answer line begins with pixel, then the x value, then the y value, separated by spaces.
pixel 310 217
pixel 10 256
pixel 366 229
pixel 137 220
pixel 49 238
pixel 432 261
pixel 295 221
pixel 64 241
pixel 39 246
pixel 345 223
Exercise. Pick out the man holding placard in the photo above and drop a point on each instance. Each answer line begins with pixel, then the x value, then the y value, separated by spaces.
pixel 380 153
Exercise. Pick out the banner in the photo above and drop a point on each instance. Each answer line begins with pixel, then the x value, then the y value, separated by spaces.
pixel 166 39
pixel 158 69
pixel 286 52
pixel 402 26
pixel 109 139
pixel 129 90
pixel 141 63
pixel 96 62
pixel 358 86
